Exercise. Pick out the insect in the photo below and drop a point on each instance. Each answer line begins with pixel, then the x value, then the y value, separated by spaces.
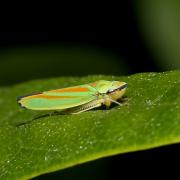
pixel 76 99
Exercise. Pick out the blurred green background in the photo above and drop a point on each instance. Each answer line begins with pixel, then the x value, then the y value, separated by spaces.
pixel 20 64
pixel 138 36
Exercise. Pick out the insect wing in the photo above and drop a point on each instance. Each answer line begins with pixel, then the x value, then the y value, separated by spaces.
pixel 60 99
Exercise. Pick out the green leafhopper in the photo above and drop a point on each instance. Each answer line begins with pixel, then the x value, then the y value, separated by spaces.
pixel 76 99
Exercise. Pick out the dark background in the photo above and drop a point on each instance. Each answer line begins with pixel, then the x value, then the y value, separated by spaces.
pixel 129 38
pixel 134 36
pixel 107 42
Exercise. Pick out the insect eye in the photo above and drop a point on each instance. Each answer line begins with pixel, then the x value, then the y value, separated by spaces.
pixel 110 91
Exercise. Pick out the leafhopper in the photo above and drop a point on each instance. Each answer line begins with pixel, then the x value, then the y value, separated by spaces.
pixel 76 99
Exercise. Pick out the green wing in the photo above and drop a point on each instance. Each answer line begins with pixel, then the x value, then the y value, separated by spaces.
pixel 60 99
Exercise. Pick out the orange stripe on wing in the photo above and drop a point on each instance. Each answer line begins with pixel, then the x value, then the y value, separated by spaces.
pixel 42 96
pixel 73 89
pixel 93 84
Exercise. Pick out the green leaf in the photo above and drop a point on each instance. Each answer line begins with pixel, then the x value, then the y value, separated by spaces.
pixel 149 118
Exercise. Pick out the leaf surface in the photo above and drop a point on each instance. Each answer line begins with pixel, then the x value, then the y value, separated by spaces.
pixel 150 117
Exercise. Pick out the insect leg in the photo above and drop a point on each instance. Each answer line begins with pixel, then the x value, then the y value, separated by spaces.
pixel 89 108
pixel 115 102
pixel 84 107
